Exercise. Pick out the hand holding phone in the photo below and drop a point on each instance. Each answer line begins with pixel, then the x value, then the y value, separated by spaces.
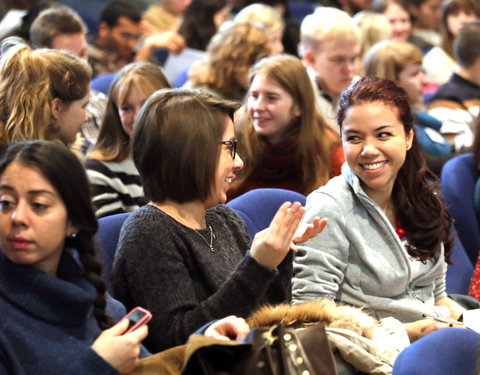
pixel 137 318
pixel 121 350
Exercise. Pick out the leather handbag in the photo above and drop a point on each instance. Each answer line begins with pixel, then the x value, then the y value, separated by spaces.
pixel 276 350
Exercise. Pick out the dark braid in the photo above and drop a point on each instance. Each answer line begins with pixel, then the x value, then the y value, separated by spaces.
pixel 92 270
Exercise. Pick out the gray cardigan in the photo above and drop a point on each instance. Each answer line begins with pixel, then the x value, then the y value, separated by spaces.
pixel 359 259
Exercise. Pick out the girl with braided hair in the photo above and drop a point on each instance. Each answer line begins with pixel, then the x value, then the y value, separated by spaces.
pixel 53 301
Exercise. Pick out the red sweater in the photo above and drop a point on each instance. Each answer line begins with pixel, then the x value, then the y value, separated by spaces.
pixel 277 169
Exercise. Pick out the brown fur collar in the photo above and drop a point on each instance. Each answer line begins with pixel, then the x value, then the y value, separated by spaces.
pixel 322 311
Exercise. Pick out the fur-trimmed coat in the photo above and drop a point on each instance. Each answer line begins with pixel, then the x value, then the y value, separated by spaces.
pixel 365 343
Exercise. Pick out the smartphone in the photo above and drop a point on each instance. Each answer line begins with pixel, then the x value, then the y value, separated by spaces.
pixel 137 318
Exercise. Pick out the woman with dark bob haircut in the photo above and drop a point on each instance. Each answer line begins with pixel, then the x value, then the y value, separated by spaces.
pixel 53 301
pixel 185 256
pixel 388 237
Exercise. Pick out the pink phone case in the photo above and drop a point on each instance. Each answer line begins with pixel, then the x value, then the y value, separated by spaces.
pixel 137 318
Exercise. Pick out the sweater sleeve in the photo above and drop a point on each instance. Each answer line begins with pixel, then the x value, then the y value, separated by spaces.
pixel 319 265
pixel 441 280
pixel 154 268
pixel 89 362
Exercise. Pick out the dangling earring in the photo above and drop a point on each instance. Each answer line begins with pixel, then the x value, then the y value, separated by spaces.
pixel 73 236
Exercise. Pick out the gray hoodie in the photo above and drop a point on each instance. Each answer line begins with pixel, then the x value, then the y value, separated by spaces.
pixel 358 259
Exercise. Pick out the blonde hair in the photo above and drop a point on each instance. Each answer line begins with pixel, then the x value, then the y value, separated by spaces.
pixel 327 23
pixel 265 15
pixel 388 58
pixel 310 131
pixel 374 28
pixel 113 144
pixel 29 81
pixel 231 53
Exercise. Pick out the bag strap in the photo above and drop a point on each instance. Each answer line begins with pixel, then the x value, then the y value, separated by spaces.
pixel 309 350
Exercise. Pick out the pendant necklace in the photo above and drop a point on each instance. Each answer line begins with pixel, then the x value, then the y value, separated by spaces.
pixel 212 236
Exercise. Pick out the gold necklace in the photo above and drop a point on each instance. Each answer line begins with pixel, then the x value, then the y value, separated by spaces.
pixel 212 236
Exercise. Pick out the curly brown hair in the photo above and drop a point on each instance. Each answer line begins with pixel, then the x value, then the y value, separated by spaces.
pixel 231 53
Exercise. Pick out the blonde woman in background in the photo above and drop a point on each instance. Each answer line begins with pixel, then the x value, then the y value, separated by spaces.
pixel 231 53
pixel 115 182
pixel 374 28
pixel 43 94
pixel 269 18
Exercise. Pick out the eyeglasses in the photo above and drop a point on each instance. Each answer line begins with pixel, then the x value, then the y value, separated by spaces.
pixel 232 145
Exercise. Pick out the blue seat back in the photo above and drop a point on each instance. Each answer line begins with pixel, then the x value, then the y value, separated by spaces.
pixel 107 238
pixel 257 207
pixel 458 179
pixel 300 9
pixel 103 82
pixel 460 272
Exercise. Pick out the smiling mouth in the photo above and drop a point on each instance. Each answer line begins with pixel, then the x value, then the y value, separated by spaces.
pixel 374 166
pixel 229 180
pixel 261 119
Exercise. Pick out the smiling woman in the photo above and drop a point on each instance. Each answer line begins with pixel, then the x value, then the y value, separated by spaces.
pixel 388 238
pixel 185 256
pixel 283 137
pixel 115 182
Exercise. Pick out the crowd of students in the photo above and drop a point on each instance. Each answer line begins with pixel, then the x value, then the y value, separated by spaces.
pixel 360 118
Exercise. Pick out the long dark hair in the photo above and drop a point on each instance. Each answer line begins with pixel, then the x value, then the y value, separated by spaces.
pixel 417 207
pixel 67 175
pixel 198 25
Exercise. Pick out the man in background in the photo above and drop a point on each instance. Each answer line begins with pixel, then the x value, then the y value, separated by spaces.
pixel 330 48
pixel 119 39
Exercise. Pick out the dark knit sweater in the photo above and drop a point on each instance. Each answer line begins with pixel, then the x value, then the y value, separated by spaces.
pixel 47 326
pixel 169 269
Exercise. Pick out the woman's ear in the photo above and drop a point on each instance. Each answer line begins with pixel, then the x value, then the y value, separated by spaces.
pixel 72 230
pixel 56 108
pixel 297 112
pixel 410 136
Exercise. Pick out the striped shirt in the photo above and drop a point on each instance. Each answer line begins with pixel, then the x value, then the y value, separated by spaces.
pixel 116 186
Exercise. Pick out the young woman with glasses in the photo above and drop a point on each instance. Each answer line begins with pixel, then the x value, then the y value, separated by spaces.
pixel 185 256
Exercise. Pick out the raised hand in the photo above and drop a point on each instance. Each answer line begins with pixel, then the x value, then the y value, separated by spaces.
pixel 271 245
pixel 307 231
